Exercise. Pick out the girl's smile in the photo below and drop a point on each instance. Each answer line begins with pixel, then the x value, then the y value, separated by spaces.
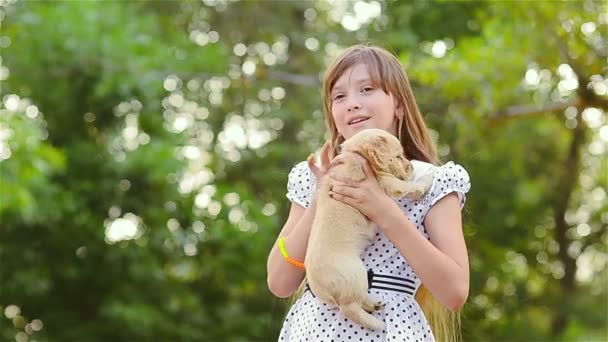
pixel 358 120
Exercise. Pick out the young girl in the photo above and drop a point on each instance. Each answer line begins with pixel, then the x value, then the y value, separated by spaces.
pixel 420 242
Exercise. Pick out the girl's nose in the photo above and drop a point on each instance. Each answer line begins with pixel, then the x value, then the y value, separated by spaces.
pixel 353 106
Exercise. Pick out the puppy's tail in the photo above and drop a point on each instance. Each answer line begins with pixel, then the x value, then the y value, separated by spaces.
pixel 354 311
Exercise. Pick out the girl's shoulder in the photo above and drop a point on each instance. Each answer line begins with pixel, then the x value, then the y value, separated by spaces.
pixel 447 178
pixel 301 173
pixel 422 169
pixel 300 167
pixel 300 184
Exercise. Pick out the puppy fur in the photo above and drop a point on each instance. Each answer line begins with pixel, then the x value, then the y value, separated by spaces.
pixel 340 233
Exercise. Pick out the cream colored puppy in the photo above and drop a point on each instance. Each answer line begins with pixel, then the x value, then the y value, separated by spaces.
pixel 340 233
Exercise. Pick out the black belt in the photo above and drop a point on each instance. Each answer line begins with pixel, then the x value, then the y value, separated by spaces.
pixel 385 282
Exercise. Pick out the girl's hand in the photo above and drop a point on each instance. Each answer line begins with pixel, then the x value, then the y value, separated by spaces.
pixel 321 170
pixel 366 196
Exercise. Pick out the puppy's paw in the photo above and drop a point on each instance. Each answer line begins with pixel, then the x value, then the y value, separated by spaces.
pixel 373 304
pixel 379 305
pixel 421 186
pixel 397 193
pixel 416 192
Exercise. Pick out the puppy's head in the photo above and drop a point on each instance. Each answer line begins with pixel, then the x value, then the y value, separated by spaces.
pixel 382 150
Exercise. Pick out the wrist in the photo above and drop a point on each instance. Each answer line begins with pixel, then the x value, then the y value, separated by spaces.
pixel 385 212
pixel 393 221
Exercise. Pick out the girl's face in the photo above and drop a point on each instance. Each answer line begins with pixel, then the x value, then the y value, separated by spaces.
pixel 358 104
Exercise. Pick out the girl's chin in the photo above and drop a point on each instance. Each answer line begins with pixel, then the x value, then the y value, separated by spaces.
pixel 354 129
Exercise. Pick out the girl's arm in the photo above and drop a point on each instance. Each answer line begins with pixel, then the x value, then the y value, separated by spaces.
pixel 442 263
pixel 283 278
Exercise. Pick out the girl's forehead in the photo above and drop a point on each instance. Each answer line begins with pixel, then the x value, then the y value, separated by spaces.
pixel 358 70
pixel 355 74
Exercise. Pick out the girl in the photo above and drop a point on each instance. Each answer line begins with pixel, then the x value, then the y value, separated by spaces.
pixel 420 242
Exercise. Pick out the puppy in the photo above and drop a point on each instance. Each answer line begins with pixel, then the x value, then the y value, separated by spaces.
pixel 340 233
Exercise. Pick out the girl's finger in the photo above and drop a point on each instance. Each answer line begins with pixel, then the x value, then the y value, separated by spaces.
pixel 344 190
pixel 325 154
pixel 341 182
pixel 344 199
pixel 313 166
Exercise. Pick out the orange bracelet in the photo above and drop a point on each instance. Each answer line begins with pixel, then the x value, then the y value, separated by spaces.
pixel 289 259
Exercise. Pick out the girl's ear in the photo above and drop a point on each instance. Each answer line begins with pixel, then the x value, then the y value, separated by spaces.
pixel 399 125
pixel 398 111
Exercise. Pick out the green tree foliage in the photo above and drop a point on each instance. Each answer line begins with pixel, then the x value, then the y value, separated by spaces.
pixel 145 147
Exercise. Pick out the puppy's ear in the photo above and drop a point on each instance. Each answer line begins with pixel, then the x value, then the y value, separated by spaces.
pixel 374 152
pixel 371 153
pixel 380 141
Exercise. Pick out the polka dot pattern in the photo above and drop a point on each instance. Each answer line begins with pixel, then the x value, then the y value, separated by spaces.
pixel 448 178
pixel 300 184
pixel 312 320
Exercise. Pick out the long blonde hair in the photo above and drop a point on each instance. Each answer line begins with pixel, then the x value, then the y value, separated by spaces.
pixel 387 72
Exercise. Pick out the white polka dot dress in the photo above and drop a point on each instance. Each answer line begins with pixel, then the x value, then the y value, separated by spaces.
pixel 311 320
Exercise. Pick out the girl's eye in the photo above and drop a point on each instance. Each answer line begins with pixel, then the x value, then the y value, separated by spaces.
pixel 339 96
pixel 367 89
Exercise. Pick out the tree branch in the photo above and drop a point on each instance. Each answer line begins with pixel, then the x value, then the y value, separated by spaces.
pixel 585 96
pixel 516 112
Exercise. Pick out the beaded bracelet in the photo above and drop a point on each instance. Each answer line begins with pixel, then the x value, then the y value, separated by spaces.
pixel 289 259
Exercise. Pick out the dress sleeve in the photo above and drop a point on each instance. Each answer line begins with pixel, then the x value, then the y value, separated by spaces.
pixel 448 178
pixel 300 184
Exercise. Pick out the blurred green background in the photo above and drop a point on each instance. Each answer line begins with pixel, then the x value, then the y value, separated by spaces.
pixel 145 147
